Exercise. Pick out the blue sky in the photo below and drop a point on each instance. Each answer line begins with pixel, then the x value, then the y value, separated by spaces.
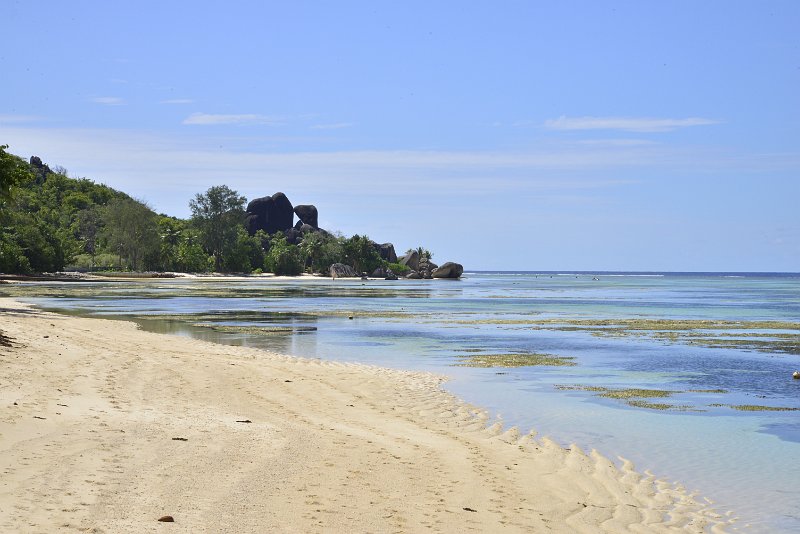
pixel 505 135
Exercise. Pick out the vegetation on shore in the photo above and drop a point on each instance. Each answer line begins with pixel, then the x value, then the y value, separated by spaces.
pixel 50 222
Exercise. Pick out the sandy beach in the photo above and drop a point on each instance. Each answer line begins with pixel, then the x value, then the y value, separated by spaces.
pixel 106 428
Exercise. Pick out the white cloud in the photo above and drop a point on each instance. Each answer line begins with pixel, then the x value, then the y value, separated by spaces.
pixel 108 100
pixel 630 124
pixel 18 119
pixel 177 101
pixel 216 119
pixel 334 126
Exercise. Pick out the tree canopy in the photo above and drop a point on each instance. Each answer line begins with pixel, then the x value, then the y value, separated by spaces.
pixel 217 214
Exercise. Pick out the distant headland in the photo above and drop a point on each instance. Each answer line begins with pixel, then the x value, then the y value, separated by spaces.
pixel 50 222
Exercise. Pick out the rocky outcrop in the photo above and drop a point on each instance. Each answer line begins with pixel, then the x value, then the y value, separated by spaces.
pixel 340 270
pixel 413 275
pixel 283 214
pixel 426 268
pixel 293 236
pixel 307 213
pixel 410 260
pixel 390 275
pixel 449 270
pixel 41 170
pixel 385 251
pixel 271 214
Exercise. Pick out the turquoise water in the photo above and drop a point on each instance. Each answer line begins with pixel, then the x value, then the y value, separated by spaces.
pixel 744 460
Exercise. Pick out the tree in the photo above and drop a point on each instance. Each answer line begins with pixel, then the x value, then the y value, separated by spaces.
pixel 360 253
pixel 131 231
pixel 191 258
pixel 311 247
pixel 283 258
pixel 217 214
pixel 12 173
pixel 89 224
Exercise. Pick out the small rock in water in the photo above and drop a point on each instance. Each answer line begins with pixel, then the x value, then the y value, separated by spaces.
pixel 796 375
pixel 166 519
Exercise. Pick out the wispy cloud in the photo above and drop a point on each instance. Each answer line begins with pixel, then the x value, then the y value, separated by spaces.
pixel 108 100
pixel 630 124
pixel 334 126
pixel 177 101
pixel 206 119
pixel 18 119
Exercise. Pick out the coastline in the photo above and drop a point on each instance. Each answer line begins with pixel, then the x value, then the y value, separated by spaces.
pixel 89 445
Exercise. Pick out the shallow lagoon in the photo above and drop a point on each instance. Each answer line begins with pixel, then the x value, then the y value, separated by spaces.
pixel 745 460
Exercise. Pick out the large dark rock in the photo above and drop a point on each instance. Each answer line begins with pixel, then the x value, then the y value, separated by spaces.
pixel 252 222
pixel 40 170
pixel 340 270
pixel 308 214
pixel 385 251
pixel 413 275
pixel 271 214
pixel 283 216
pixel 293 236
pixel 449 270
pixel 410 260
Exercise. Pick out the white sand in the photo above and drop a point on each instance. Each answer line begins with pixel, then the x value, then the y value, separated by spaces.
pixel 332 447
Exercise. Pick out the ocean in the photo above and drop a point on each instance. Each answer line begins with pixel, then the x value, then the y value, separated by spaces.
pixel 688 375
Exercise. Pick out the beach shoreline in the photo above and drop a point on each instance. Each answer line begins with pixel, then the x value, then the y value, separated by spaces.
pixel 107 428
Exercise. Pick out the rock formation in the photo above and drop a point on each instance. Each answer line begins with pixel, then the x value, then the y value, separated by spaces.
pixel 449 270
pixel 271 214
pixel 410 260
pixel 307 213
pixel 386 251
pixel 340 270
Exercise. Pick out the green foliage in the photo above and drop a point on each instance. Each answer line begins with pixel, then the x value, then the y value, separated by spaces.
pixel 47 218
pixel 190 256
pixel 398 268
pixel 322 250
pixel 97 262
pixel 332 251
pixel 283 258
pixel 360 254
pixel 12 172
pixel 13 258
pixel 245 254
pixel 131 230
pixel 217 214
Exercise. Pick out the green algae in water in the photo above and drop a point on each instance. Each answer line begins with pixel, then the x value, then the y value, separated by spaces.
pixel 755 408
pixel 637 403
pixel 516 360
pixel 612 393
pixel 635 397
pixel 636 393
pixel 256 330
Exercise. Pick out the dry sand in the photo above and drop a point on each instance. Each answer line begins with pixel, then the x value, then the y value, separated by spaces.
pixel 91 409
